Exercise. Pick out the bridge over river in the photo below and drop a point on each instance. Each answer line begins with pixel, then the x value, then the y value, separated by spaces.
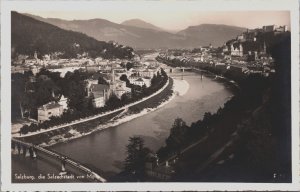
pixel 181 71
pixel 32 151
pixel 169 69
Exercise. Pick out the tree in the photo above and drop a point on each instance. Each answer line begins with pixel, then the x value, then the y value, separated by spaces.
pixel 124 78
pixel 101 80
pixel 153 80
pixel 24 129
pixel 136 158
pixel 44 92
pixel 17 94
pixel 89 104
pixel 29 35
pixel 163 73
pixel 55 76
pixel 76 95
pixel 207 116
pixel 144 88
pixel 129 65
pixel 158 74
pixel 123 65
pixel 113 102
pixel 178 134
pixel 124 98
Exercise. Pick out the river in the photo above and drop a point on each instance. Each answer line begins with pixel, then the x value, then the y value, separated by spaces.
pixel 105 150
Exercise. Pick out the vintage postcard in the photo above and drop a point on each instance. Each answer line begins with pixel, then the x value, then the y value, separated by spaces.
pixel 150 95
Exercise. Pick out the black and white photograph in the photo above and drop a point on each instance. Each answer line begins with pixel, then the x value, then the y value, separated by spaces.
pixel 150 92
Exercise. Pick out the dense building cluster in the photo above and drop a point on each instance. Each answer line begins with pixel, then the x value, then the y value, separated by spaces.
pixel 103 79
pixel 248 53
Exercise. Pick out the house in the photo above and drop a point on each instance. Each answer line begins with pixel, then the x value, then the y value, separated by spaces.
pixel 46 57
pixel 20 59
pixel 159 172
pixel 63 101
pixel 111 85
pixel 222 67
pixel 100 61
pixel 236 49
pixel 133 77
pixel 283 28
pixel 148 72
pixel 252 56
pixel 93 79
pixel 88 62
pixel 98 102
pixel 139 81
pixel 269 28
pixel 106 76
pixel 100 94
pixel 206 48
pixel 119 91
pixel 120 88
pixel 224 48
pixel 238 69
pixel 35 69
pixel 92 68
pixel 240 37
pixel 119 70
pixel 17 69
pixel 49 110
pixel 249 35
pixel 119 83
pixel 147 81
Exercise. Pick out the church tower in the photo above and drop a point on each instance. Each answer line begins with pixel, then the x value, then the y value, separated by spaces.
pixel 35 55
pixel 241 50
pixel 265 47
pixel 112 84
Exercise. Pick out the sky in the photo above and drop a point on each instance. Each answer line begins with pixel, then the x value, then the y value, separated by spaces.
pixel 176 19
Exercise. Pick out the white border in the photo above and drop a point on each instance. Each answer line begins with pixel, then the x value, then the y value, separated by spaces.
pixel 215 5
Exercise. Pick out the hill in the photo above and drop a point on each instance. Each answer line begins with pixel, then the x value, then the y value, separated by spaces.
pixel 210 33
pixel 29 35
pixel 141 24
pixel 139 36
pixel 104 30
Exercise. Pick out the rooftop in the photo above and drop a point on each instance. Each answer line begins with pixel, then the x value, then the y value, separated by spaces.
pixel 139 79
pixel 164 170
pixel 50 105
pixel 98 89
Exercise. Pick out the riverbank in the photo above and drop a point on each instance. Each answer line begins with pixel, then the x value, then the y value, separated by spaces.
pixel 108 146
pixel 179 86
pixel 231 83
pixel 90 118
pixel 231 147
pixel 83 129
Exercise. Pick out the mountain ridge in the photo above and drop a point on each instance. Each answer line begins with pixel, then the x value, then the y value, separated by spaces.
pixel 141 24
pixel 138 37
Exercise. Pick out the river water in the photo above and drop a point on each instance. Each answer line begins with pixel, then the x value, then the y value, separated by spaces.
pixel 105 150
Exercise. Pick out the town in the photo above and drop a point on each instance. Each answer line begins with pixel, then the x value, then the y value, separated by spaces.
pixel 59 96
pixel 103 79
pixel 246 54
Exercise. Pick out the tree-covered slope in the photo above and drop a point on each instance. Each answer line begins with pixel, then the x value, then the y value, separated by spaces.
pixel 29 35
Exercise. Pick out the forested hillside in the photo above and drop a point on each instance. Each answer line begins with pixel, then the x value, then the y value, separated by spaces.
pixel 29 35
